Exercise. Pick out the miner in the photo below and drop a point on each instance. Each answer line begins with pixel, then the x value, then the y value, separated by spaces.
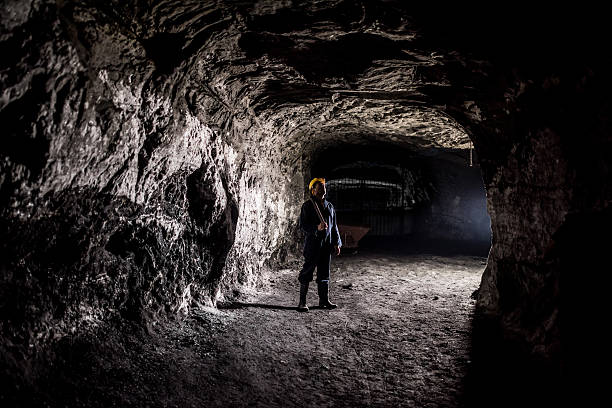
pixel 318 221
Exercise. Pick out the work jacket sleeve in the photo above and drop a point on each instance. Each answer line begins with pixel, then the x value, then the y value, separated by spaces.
pixel 335 238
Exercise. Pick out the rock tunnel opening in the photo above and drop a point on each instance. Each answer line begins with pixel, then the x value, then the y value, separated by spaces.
pixel 406 201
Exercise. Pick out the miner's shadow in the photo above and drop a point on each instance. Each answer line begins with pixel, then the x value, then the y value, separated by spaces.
pixel 242 305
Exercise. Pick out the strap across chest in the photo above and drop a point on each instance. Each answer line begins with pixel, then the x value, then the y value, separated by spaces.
pixel 321 214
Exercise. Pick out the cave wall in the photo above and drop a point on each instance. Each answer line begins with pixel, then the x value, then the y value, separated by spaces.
pixel 546 167
pixel 125 190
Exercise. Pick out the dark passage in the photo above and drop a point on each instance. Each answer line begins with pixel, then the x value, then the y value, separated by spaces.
pixel 406 202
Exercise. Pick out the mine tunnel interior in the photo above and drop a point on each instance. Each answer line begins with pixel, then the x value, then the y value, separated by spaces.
pixel 151 169
pixel 393 198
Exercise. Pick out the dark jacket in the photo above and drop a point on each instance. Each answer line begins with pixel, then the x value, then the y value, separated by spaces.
pixel 309 220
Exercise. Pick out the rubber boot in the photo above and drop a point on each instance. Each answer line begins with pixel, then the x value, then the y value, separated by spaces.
pixel 324 302
pixel 303 292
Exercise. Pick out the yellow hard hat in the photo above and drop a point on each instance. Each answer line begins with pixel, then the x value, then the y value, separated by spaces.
pixel 315 180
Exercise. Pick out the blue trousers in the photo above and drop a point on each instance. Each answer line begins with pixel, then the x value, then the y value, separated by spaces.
pixel 320 260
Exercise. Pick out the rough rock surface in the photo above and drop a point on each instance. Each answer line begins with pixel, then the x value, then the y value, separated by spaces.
pixel 154 153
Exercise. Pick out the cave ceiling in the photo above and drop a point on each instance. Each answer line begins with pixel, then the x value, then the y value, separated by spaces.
pixel 292 77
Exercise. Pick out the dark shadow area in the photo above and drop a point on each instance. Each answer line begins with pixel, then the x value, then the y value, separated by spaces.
pixel 502 373
pixel 22 139
pixel 573 372
pixel 242 305
pixel 583 245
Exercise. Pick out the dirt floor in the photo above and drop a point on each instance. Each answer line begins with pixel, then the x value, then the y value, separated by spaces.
pixel 400 337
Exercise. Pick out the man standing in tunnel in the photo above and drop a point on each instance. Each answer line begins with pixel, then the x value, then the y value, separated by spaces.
pixel 318 221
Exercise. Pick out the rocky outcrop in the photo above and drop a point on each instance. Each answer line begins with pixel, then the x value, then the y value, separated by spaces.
pixel 154 155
